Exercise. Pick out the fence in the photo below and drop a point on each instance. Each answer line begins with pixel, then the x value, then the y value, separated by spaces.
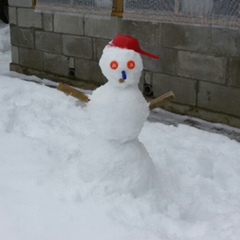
pixel 204 12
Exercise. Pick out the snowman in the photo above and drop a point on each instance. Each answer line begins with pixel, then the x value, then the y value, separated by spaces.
pixel 113 156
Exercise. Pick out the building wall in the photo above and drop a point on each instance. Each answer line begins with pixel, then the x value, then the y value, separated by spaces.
pixel 200 64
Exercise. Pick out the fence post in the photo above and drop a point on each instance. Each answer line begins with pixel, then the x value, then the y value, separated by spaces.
pixel 177 6
pixel 117 8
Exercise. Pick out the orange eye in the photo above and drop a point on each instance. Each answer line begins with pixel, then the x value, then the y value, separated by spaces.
pixel 114 65
pixel 131 64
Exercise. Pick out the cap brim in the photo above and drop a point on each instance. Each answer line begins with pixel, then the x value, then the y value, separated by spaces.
pixel 139 50
pixel 148 54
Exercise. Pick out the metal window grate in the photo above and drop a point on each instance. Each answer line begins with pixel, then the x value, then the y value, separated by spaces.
pixel 81 7
pixel 204 12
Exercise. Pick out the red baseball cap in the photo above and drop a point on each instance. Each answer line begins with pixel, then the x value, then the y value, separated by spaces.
pixel 123 41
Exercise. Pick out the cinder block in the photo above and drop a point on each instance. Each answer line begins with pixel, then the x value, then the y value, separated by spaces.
pixel 48 42
pixel 29 18
pixel 20 3
pixel 168 61
pixel 146 32
pixel 151 65
pixel 71 62
pixel 226 41
pixel 57 64
pixel 89 71
pixel 69 24
pixel 207 115
pixel 148 35
pixel 185 37
pixel 99 45
pixel 202 67
pixel 15 54
pixel 234 72
pixel 22 37
pixel 219 98
pixel 12 11
pixel 81 47
pixel 16 68
pixel 102 28
pixel 141 83
pixel 48 22
pixel 147 76
pixel 184 89
pixel 31 58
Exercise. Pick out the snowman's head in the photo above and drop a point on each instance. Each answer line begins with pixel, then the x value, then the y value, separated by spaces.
pixel 121 62
pixel 121 67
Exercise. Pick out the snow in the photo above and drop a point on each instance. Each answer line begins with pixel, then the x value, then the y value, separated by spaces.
pixel 43 197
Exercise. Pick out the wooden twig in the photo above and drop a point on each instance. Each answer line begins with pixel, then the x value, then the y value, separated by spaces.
pixel 73 92
pixel 157 102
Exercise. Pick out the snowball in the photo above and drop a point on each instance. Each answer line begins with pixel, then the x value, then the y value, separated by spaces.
pixel 122 57
pixel 120 168
pixel 118 114
pixel 4 38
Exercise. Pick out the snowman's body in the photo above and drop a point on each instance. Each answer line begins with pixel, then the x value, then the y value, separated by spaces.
pixel 124 119
pixel 113 155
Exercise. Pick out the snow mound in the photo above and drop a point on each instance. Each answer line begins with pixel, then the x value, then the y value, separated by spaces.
pixel 4 38
pixel 42 195
pixel 119 168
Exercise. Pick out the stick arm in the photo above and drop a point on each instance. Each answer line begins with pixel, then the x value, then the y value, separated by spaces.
pixel 73 92
pixel 155 103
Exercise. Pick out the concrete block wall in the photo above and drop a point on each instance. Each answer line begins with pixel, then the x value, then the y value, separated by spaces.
pixel 200 64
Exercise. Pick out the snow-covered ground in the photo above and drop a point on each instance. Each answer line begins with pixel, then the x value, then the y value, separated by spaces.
pixel 43 198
